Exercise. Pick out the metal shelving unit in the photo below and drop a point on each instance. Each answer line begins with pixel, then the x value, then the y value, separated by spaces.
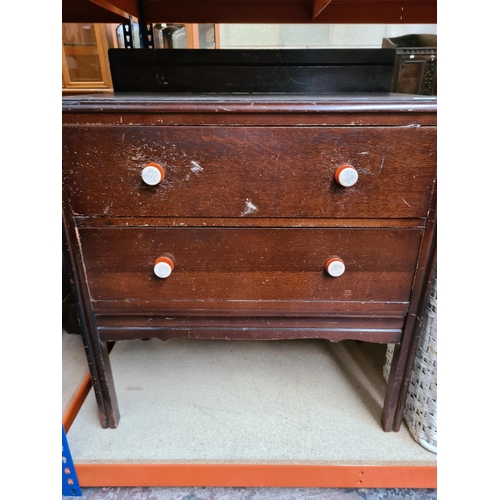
pixel 70 484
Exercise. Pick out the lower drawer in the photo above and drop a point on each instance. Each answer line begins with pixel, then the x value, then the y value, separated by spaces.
pixel 226 269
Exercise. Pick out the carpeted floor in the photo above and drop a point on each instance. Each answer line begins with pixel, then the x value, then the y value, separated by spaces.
pixel 255 494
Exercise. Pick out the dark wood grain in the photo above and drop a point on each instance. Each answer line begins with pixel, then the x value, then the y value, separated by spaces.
pixel 213 265
pixel 269 321
pixel 226 325
pixel 424 276
pixel 104 221
pixel 256 109
pixel 317 117
pixel 250 172
pixel 381 336
pixel 404 354
pixel 251 274
pixel 252 308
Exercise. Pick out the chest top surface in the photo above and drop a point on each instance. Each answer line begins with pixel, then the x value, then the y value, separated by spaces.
pixel 251 109
pixel 332 102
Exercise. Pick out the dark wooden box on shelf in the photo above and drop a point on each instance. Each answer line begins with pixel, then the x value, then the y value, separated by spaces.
pixel 247 216
pixel 415 66
pixel 259 70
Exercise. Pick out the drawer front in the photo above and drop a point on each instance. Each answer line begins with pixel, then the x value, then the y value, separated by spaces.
pixel 250 171
pixel 227 266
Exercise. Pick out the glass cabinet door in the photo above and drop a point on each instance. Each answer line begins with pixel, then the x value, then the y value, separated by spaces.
pixel 85 65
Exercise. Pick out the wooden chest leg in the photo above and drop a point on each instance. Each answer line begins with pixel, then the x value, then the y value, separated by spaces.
pixel 103 384
pixel 404 358
pixel 412 350
pixel 95 350
pixel 99 367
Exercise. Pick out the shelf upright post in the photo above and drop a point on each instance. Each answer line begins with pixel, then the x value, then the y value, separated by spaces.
pixel 70 484
pixel 145 29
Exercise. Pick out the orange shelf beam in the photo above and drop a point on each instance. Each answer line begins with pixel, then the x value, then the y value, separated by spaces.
pixel 253 475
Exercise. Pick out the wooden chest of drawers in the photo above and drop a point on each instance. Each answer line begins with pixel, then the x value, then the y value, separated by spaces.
pixel 227 217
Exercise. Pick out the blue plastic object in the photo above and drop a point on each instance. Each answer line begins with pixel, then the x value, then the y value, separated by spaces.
pixel 70 484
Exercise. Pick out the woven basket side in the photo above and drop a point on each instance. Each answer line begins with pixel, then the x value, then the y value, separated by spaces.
pixel 389 353
pixel 420 412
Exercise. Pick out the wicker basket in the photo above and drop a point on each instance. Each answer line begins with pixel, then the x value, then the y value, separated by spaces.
pixel 420 411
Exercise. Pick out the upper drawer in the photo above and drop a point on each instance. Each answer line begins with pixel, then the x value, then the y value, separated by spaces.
pixel 250 171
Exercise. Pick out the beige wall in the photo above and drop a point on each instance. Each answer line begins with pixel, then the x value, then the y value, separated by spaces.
pixel 315 36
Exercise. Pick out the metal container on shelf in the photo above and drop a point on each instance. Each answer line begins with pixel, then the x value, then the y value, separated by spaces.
pixel 415 67
pixel 170 36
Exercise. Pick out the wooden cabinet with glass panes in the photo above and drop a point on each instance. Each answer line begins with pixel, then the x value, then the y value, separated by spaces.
pixel 85 65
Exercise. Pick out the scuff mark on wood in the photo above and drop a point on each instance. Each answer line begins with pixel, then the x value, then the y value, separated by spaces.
pixel 381 164
pixel 250 208
pixel 196 168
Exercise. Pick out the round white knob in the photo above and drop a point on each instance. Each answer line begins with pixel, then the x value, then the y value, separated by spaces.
pixel 346 175
pixel 163 267
pixel 153 174
pixel 335 267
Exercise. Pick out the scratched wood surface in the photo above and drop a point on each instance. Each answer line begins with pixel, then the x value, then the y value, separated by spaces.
pixel 351 110
pixel 250 171
pixel 274 328
pixel 97 221
pixel 250 264
pixel 250 213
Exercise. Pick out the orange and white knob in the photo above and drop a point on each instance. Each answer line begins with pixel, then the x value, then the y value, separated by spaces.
pixel 153 174
pixel 335 267
pixel 163 267
pixel 346 175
